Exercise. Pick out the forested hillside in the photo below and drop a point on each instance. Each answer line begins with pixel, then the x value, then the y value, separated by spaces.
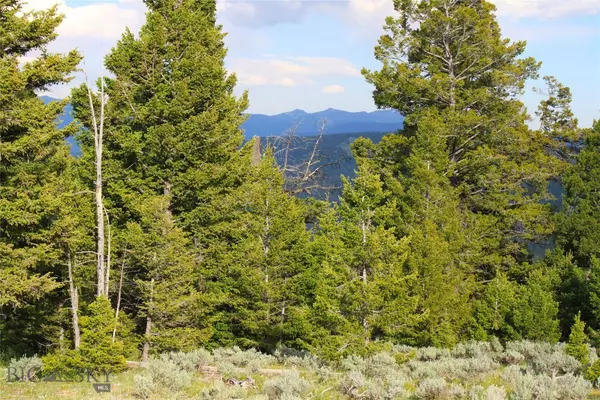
pixel 171 233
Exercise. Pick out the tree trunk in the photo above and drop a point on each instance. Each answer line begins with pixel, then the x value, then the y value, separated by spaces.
pixel 146 348
pixel 118 302
pixel 256 151
pixel 107 280
pixel 365 322
pixel 98 133
pixel 74 302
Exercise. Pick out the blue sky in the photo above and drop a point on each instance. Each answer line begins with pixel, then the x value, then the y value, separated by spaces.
pixel 293 54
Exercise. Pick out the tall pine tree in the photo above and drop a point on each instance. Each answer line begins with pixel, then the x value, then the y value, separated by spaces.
pixel 474 176
pixel 33 160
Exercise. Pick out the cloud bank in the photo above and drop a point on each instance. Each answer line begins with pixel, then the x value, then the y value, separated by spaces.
pixel 289 71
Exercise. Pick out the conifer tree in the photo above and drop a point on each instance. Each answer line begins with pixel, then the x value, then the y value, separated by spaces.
pixel 473 175
pixel 260 268
pixel 577 344
pixel 165 279
pixel 579 227
pixel 173 121
pixel 33 154
pixel 448 57
pixel 577 236
pixel 171 132
pixel 367 292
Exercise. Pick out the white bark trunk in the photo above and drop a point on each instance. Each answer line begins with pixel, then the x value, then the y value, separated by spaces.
pixel 148 332
pixel 118 302
pixel 74 302
pixel 107 280
pixel 98 137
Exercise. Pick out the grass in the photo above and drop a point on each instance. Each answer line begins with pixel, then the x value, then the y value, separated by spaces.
pixel 359 378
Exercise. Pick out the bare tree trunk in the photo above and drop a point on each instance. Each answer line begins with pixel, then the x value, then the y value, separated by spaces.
pixel 61 339
pixel 146 348
pixel 256 151
pixel 74 301
pixel 364 227
pixel 107 254
pixel 98 136
pixel 118 302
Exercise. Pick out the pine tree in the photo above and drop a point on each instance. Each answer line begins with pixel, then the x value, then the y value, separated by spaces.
pixel 578 232
pixel 577 344
pixel 171 132
pixel 577 236
pixel 365 279
pixel 259 269
pixel 449 58
pixel 165 281
pixel 33 154
pixel 474 177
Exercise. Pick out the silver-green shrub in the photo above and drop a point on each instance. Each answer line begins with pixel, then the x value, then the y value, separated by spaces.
pixel 191 361
pixel 286 385
pixel 495 393
pixel 555 363
pixel 431 388
pixel 143 386
pixel 166 373
pixel 26 368
pixel 250 359
pixel 431 353
pixel 456 391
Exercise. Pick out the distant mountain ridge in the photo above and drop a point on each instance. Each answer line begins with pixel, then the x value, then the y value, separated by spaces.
pixel 309 124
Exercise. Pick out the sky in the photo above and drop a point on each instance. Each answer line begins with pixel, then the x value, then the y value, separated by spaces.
pixel 308 54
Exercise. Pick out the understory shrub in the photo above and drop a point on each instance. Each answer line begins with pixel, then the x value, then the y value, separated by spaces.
pixel 143 386
pixel 97 350
pixel 168 374
pixel 431 388
pixel 593 373
pixel 251 359
pixel 26 368
pixel 521 370
pixel 287 386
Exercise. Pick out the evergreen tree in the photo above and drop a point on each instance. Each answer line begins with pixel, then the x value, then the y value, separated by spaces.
pixel 165 281
pixel 365 280
pixel 33 161
pixel 473 175
pixel 260 269
pixel 33 154
pixel 577 236
pixel 171 132
pixel 579 223
pixel 97 352
pixel 173 122
pixel 577 344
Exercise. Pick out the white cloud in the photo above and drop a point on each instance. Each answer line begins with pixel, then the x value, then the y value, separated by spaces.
pixel 268 13
pixel 289 71
pixel 546 8
pixel 522 31
pixel 97 20
pixel 333 89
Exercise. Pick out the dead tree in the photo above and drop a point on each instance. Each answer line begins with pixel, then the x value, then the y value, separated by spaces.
pixel 304 175
pixel 98 127
pixel 74 300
